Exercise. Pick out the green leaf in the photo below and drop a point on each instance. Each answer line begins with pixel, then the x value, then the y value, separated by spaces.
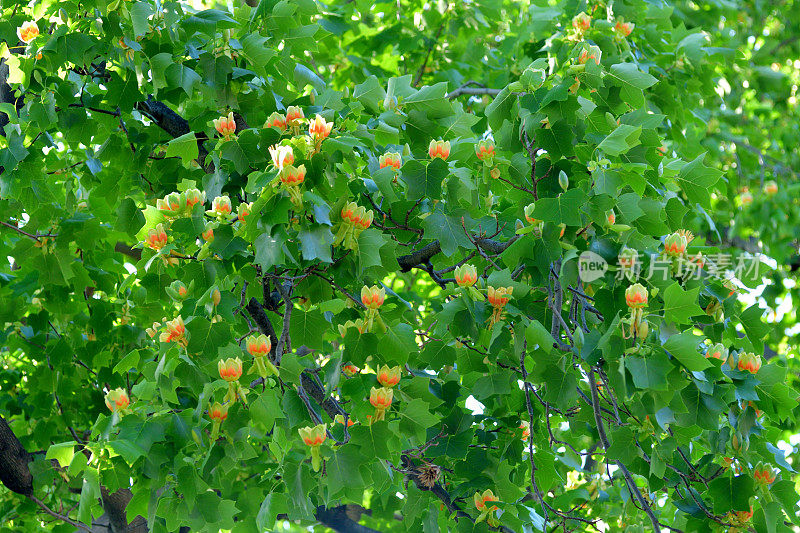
pixel 619 141
pixel 537 334
pixel 448 230
pixel 563 209
pixel 316 244
pixel 62 452
pixel 681 305
pixel 695 180
pixel 731 493
pixel 424 179
pixel 649 372
pixel 308 328
pixel 129 217
pixel 631 81
pixel 683 347
pixel 184 147
pixel 430 100
pixel 415 418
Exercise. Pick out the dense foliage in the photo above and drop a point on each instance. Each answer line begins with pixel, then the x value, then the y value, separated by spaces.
pixel 399 266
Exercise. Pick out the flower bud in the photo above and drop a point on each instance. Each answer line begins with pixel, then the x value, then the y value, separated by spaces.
pixel 225 126
pixel 439 149
pixel 117 400
pixel 218 412
pixel 675 244
pixel 177 289
pixel 484 150
pixel 623 28
pixel 373 297
pixel 481 499
pixel 750 362
pixel 381 398
pixel 581 21
pixel 277 121
pixel 292 176
pixel 499 297
pixel 230 369
pixel 563 180
pixel 770 187
pixel 294 114
pixel 636 296
pixel 764 474
pixel 156 237
pixel 221 206
pixel 319 129
pixel 717 351
pixel 495 173
pixel 642 329
pixel 390 159
pixel 611 218
pixel 466 275
pixel 281 156
pixel 216 297
pixel 351 370
pixel 28 31
pixel 746 198
pixel 389 377
pixel 259 346
pixel 627 257
pixel 525 426
pixel 243 211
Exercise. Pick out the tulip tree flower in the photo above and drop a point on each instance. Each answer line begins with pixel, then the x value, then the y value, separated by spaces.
pixel 636 298
pixel 217 413
pixel 292 178
pixel 313 437
pixel 390 159
pixel 485 151
pixel 259 347
pixel 750 362
pixel 581 22
pixel 770 187
pixel 277 121
pixel 294 115
pixel 481 500
pixel 372 298
pixel 764 474
pixel 225 126
pixel 175 332
pixel 388 377
pixel 231 370
pixel 355 219
pixel 440 149
pixel 156 237
pixel 319 130
pixel 381 400
pixel 117 400
pixel 498 298
pixel 28 31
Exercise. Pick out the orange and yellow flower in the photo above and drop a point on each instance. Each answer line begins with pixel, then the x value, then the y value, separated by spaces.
pixel 636 296
pixel 482 499
pixel 390 159
pixel 440 149
pixel 258 346
pixel 117 400
pixel 466 275
pixel 218 412
pixel 319 129
pixel 277 121
pixel 225 126
pixel 230 369
pixel 388 377
pixel 372 297
pixel 28 31
pixel 156 237
pixel 750 362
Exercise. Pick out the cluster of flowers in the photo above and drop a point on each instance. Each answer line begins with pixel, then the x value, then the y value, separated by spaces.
pixel 355 219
